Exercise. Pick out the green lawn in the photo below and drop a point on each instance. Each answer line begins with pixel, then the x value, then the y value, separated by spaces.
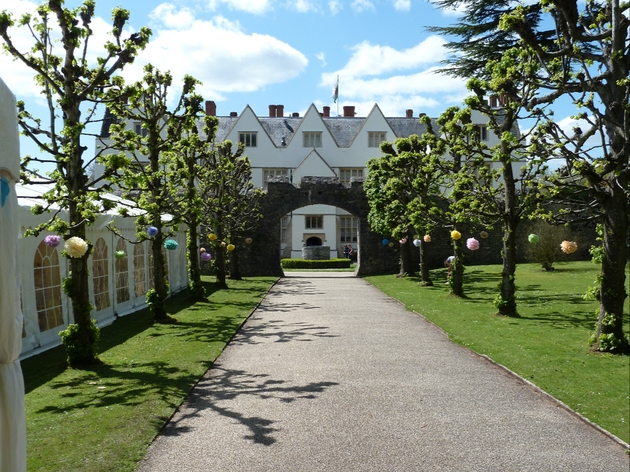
pixel 103 419
pixel 547 345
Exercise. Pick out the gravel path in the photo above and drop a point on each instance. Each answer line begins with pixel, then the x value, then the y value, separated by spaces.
pixel 329 374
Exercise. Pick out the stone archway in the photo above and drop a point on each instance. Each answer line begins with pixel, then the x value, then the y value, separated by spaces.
pixel 262 256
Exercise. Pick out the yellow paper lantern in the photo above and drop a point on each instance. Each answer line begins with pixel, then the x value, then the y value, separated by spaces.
pixel 230 247
pixel 212 237
pixel 456 235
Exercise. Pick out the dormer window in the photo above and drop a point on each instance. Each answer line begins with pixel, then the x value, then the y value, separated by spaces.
pixel 312 139
pixel 248 138
pixel 481 132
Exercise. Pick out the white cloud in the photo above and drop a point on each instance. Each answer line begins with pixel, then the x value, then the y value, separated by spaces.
pixel 167 14
pixel 362 5
pixel 322 58
pixel 302 6
pixel 257 7
pixel 335 6
pixel 243 62
pixel 368 59
pixel 402 5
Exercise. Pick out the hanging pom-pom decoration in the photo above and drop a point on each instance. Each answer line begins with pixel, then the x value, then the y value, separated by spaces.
pixel 205 256
pixel 249 240
pixel 202 250
pixel 385 242
pixel 212 237
pixel 417 242
pixel 52 240
pixel 533 238
pixel 152 231
pixel 231 247
pixel 391 244
pixel 119 254
pixel 456 235
pixel 483 234
pixel 568 247
pixel 76 247
pixel 427 238
pixel 403 241
pixel 472 244
pixel 170 244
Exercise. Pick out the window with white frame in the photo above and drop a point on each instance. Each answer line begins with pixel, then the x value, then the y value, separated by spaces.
pixel 47 287
pixel 346 174
pixel 284 230
pixel 100 275
pixel 312 139
pixel 348 226
pixel 269 174
pixel 375 138
pixel 122 272
pixel 481 132
pixel 248 138
pixel 139 271
pixel 138 129
pixel 314 222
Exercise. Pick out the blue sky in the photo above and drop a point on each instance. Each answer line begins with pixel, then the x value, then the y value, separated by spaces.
pixel 289 52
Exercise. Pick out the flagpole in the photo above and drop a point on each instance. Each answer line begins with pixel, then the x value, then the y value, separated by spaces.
pixel 337 95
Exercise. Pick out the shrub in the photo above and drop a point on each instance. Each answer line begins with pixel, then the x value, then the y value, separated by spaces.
pixel 547 250
pixel 310 264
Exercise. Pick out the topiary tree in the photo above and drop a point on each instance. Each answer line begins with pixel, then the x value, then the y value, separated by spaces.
pixel 72 87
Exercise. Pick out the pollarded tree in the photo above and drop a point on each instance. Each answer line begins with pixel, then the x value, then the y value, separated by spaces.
pixel 188 174
pixel 143 167
pixel 230 204
pixel 583 57
pixel 72 88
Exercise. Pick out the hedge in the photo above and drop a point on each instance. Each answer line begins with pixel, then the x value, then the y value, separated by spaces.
pixel 320 264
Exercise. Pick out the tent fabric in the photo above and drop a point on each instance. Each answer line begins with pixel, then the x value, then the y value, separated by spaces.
pixel 12 413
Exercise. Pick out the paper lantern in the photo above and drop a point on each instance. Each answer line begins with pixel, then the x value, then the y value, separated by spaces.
pixel 152 231
pixel 427 238
pixel 403 241
pixel 456 235
pixel 417 242
pixel 472 244
pixel 249 240
pixel 568 247
pixel 76 247
pixel 391 244
pixel 385 242
pixel 52 240
pixel 202 249
pixel 212 237
pixel 170 244
pixel 533 238
pixel 119 254
pixel 483 234
pixel 205 256
pixel 230 247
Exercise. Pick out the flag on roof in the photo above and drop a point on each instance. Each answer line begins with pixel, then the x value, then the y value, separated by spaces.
pixel 335 94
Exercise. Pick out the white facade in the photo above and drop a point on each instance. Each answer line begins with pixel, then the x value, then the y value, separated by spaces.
pixel 317 145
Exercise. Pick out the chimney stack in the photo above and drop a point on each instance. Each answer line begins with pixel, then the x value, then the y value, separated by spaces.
pixel 272 111
pixel 279 111
pixel 233 114
pixel 409 113
pixel 211 108
pixel 348 111
pixel 327 112
pixel 422 114
pixel 295 114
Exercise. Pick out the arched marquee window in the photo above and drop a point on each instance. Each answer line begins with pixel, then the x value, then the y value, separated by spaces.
pixel 100 275
pixel 139 271
pixel 47 287
pixel 122 273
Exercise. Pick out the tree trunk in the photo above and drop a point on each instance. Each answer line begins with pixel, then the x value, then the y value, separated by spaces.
pixel 235 272
pixel 157 303
pixel 507 303
pixel 457 268
pixel 609 335
pixel 195 287
pixel 424 268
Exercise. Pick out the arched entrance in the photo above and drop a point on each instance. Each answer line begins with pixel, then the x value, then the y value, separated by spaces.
pixel 314 241
pixel 262 256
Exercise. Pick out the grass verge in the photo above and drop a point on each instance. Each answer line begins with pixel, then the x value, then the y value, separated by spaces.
pixel 547 345
pixel 103 419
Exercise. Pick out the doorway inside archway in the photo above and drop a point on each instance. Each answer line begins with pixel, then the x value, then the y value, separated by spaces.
pixel 313 241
